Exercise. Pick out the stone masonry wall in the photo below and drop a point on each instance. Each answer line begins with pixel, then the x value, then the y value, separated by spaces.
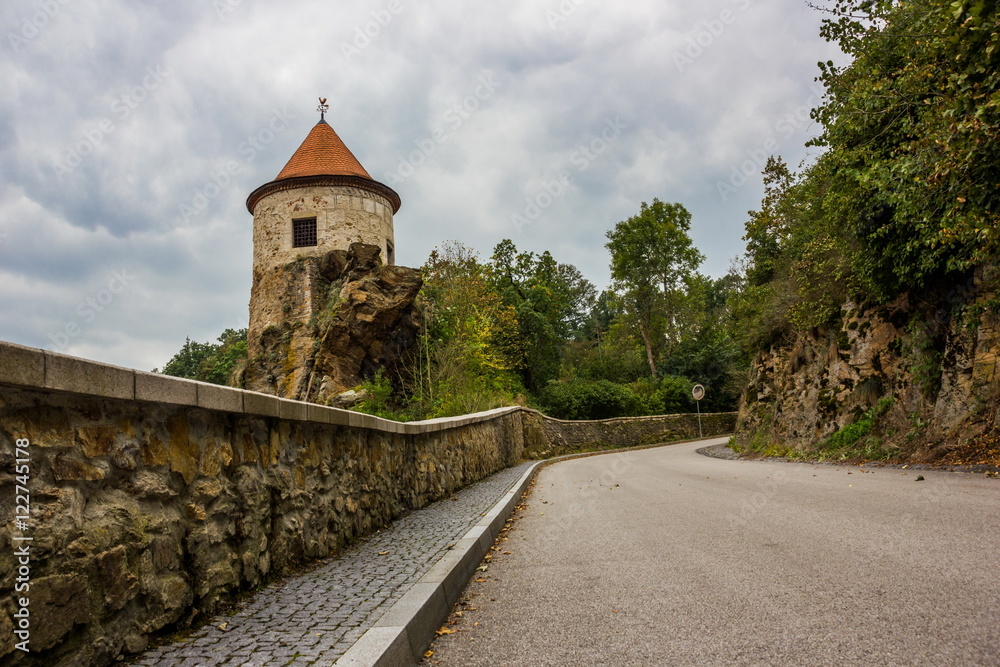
pixel 546 437
pixel 155 500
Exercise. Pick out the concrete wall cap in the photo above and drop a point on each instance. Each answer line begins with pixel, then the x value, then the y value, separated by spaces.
pixel 82 376
pixel 22 365
pixel 263 405
pixel 217 397
pixel 158 388
pixel 296 410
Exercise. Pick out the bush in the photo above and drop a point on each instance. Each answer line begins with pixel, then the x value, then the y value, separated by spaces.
pixel 667 395
pixel 583 399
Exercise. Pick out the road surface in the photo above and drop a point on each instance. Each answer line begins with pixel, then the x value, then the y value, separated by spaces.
pixel 667 557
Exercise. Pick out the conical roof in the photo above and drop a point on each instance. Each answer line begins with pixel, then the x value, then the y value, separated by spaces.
pixel 323 153
pixel 321 160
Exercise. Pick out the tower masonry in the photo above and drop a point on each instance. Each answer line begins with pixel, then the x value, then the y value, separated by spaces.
pixel 322 200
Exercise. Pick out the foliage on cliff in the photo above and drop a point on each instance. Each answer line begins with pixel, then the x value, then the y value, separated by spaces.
pixel 907 195
pixel 867 274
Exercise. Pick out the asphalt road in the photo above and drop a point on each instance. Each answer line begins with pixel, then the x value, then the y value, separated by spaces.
pixel 666 557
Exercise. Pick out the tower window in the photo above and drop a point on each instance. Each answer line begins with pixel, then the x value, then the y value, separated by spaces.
pixel 390 252
pixel 303 232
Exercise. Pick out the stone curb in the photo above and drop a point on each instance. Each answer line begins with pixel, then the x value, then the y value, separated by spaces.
pixel 401 636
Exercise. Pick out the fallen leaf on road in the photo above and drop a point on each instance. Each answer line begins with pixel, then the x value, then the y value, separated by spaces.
pixel 444 631
pixel 919 478
pixel 506 553
pixel 480 580
pixel 222 626
pixel 428 654
pixel 382 553
pixel 614 611
pixel 482 568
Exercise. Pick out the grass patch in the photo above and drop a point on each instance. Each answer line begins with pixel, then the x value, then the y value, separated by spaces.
pixel 855 440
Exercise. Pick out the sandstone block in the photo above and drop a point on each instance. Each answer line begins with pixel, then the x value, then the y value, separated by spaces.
pixel 58 602
pixel 120 585
pixel 95 440
pixel 67 469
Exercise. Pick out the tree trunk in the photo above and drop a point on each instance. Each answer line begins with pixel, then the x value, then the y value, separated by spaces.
pixel 649 349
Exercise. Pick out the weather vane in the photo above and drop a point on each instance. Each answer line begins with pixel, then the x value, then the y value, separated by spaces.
pixel 323 106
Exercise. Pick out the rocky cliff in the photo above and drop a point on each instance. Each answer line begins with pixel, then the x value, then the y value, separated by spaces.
pixel 344 317
pixel 914 380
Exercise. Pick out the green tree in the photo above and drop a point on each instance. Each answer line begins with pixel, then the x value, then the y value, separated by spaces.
pixel 188 360
pixel 551 301
pixel 209 362
pixel 651 255
pixel 913 130
pixel 471 352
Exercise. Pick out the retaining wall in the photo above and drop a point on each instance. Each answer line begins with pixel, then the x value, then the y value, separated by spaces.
pixel 154 500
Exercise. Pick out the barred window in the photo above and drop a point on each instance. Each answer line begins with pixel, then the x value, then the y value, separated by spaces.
pixel 303 232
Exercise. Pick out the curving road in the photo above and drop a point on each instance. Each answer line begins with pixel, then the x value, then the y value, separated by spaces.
pixel 667 557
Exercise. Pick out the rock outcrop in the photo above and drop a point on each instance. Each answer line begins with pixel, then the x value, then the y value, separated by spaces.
pixel 936 357
pixel 345 316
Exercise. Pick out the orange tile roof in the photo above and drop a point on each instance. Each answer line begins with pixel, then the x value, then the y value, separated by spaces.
pixel 323 153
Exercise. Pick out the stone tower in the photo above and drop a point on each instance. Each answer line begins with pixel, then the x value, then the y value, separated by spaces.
pixel 322 200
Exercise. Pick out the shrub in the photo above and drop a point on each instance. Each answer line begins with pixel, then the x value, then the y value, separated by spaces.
pixel 583 399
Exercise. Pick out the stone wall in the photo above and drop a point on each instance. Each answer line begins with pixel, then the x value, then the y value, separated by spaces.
pixel 546 437
pixel 155 500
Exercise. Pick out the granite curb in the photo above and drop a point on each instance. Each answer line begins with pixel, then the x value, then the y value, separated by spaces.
pixel 401 636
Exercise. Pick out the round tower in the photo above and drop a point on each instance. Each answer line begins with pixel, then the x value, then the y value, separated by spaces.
pixel 322 200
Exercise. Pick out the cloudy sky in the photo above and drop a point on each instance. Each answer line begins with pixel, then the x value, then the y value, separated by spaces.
pixel 132 132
